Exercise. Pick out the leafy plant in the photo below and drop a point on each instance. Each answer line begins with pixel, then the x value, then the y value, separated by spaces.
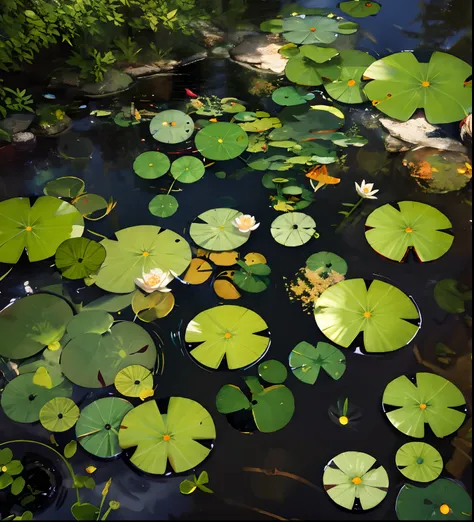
pixel 129 50
pixel 189 486
pixel 15 100
pixel 94 65
pixel 10 472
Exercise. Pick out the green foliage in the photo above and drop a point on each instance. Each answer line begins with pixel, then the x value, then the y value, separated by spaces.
pixel 128 50
pixel 94 66
pixel 13 100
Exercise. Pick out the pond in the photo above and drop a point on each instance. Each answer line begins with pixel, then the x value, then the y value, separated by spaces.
pixel 254 475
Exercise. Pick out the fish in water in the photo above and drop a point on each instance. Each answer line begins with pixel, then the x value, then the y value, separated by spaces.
pixel 49 96
pixel 137 115
pixel 83 107
pixel 190 93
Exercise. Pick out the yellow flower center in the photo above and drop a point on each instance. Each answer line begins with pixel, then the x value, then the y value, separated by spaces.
pixel 367 315
pixel 366 190
pixel 313 29
pixel 344 421
pixel 423 406
pixel 351 83
pixel 4 469
pixel 357 481
pixel 426 84
pixel 165 124
pixel 445 509
pixel 228 335
pixel 187 168
pixel 54 346
pixel 220 140
pixel 150 164
pixel 28 229
pixel 145 254
pixel 408 230
pixel 166 437
pixel 173 124
pixel 152 280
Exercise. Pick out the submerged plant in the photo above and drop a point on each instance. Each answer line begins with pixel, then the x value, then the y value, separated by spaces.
pixel 189 486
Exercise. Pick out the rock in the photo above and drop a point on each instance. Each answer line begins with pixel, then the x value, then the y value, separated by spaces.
pixel 52 120
pixel 208 33
pixel 24 141
pixel 418 132
pixel 114 82
pixel 261 52
pixel 220 52
pixel 395 145
pixel 66 78
pixel 17 123
pixel 236 37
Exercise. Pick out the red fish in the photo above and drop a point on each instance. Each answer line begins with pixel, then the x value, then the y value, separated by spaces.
pixel 190 93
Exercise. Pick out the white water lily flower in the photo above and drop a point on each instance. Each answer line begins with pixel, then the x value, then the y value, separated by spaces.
pixel 366 190
pixel 246 223
pixel 154 281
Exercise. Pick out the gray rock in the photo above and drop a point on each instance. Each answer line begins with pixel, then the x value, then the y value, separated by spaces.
pixel 17 123
pixel 114 82
pixel 208 33
pixel 261 52
pixel 220 52
pixel 66 78
pixel 395 145
pixel 418 132
pixel 24 141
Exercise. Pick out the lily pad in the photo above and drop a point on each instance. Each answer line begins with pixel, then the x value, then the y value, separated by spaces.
pixel 151 165
pixel 310 30
pixel 93 360
pixel 49 362
pixel 156 305
pixel 172 127
pixel 318 54
pixel 65 187
pixel 349 86
pixel 214 230
pixel 354 478
pixel 304 71
pixel 79 257
pixel 39 229
pixel 22 400
pixel 133 380
pixel 360 8
pixel 327 262
pixel 306 361
pixel 199 271
pixel 382 312
pixel 188 169
pixel 245 116
pixel 59 414
pixel 32 323
pixel 94 321
pixel 402 85
pixel 272 408
pixel 442 500
pixel 429 399
pixel 272 371
pixel 97 429
pixel 450 297
pixel 392 232
pixel 252 278
pixel 228 332
pixel 221 141
pixel 138 250
pixel 173 435
pixel 419 461
pixel 293 229
pixel 163 205
pixel 291 96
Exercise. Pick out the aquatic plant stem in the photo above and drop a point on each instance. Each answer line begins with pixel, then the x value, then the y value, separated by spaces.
pixel 278 473
pixel 171 187
pixel 349 214
pixel 257 510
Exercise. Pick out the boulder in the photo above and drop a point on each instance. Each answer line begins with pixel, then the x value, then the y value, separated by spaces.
pixel 17 123
pixel 113 83
pixel 261 52
pixel 208 33
pixel 24 141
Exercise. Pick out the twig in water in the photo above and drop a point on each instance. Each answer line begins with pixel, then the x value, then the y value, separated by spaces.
pixel 278 473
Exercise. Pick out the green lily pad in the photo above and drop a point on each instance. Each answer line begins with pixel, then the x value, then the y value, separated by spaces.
pixel 97 429
pixel 353 477
pixel 39 229
pixel 32 323
pixel 327 262
pixel 272 26
pixel 347 28
pixel 306 361
pixel 172 127
pixel 349 86
pixel 138 250
pixel 293 229
pixel 214 230
pixel 228 332
pixel 291 96
pixel 22 400
pixel 250 281
pixel 92 206
pixel 318 54
pixel 172 436
pixel 450 298
pixel 260 125
pixel 124 120
pixel 272 408
pixel 426 503
pixel 94 321
pixel 273 371
pixel 419 461
pixel 304 71
pixel 245 116
pixel 402 85
pixel 163 205
pixel 93 360
pixel 430 399
pixel 187 169
pixel 133 380
pixel 151 165
pixel 289 50
pixel 79 257
pixel 49 361
pixel 310 30
pixel 360 8
pixel 59 414
pixel 392 232
pixel 221 141
pixel 382 312
pixel 65 187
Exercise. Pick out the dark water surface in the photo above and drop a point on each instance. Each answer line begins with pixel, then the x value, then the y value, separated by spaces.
pixel 311 439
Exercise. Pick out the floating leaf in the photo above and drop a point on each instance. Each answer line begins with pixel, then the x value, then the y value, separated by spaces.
pixel 70 449
pixel 310 30
pixel 318 54
pixel 221 141
pixel 224 287
pixel 382 312
pixel 327 262
pixel 65 187
pixel 39 229
pixel 291 96
pixel 431 399
pixel 94 321
pixel 214 230
pixel 94 207
pixel 360 8
pixel 42 378
pixel 59 414
pixel 163 205
pixel 306 361
pixel 188 169
pixel 252 278
pixel 392 232
pixel 402 85
pixel 173 436
pixel 245 116
pixel 84 511
pixel 156 305
pixel 228 332
pixel 97 429
pixel 419 461
pixel 187 487
pixel 151 165
pixel 172 127
pixel 353 476
pixel 79 257
pixel 111 303
pixel 137 251
pixel 18 486
pixel 294 229
pixel 450 298
pixel 272 26
pixel 303 71
pixel 199 271
pixel 272 371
